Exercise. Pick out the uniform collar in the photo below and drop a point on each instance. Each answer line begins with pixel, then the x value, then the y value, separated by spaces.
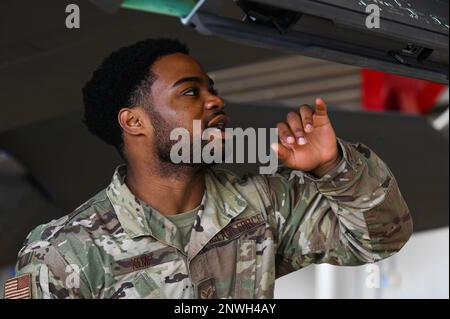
pixel 221 203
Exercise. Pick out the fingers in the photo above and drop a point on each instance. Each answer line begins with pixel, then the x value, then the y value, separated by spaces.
pixel 285 134
pixel 295 124
pixel 299 124
pixel 292 131
pixel 282 151
pixel 321 107
pixel 306 114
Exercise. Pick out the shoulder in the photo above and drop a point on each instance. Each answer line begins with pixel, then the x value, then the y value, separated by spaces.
pixel 246 182
pixel 264 184
pixel 226 176
pixel 63 248
pixel 254 188
pixel 91 220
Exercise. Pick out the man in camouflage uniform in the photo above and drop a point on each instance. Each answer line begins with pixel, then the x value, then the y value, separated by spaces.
pixel 333 202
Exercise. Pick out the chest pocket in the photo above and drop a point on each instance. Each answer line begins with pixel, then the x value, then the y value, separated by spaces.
pixel 146 287
pixel 233 254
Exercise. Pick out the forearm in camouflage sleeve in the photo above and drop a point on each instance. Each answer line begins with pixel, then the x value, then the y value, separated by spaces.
pixel 354 215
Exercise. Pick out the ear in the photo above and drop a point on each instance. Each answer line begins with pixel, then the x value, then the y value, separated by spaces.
pixel 133 121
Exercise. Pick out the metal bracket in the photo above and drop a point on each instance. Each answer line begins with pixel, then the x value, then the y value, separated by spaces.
pixel 189 17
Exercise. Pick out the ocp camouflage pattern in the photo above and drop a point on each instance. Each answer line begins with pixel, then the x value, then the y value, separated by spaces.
pixel 248 232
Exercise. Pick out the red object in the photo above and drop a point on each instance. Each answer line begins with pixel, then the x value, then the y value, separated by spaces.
pixel 388 92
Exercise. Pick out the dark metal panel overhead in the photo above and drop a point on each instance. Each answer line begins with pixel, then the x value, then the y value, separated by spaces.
pixel 412 38
pixel 43 65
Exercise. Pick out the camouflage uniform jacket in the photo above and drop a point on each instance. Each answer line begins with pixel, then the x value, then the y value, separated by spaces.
pixel 248 232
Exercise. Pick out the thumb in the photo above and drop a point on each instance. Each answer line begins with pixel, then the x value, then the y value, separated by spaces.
pixel 321 107
pixel 282 151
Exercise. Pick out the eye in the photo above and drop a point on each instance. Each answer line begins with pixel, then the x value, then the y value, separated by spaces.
pixel 191 92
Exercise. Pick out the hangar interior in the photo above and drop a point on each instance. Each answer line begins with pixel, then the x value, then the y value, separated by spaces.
pixel 50 164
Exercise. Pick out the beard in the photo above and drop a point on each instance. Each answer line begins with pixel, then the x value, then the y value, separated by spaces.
pixel 163 144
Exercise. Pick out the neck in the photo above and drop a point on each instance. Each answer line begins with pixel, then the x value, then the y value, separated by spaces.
pixel 168 188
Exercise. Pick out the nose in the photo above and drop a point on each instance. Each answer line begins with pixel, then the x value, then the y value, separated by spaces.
pixel 214 102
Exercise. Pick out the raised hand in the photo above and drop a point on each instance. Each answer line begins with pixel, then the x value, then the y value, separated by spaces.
pixel 308 141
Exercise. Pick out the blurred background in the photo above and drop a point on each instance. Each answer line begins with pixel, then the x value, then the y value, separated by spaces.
pixel 50 164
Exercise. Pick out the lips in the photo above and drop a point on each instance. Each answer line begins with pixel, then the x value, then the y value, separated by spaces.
pixel 220 121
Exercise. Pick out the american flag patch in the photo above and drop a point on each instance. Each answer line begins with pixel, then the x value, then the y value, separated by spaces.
pixel 18 287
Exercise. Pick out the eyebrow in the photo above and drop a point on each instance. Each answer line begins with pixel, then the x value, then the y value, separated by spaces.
pixel 192 79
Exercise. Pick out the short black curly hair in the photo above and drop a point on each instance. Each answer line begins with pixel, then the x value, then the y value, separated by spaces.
pixel 122 79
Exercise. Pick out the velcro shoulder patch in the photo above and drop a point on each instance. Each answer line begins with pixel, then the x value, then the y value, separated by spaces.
pixel 18 287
